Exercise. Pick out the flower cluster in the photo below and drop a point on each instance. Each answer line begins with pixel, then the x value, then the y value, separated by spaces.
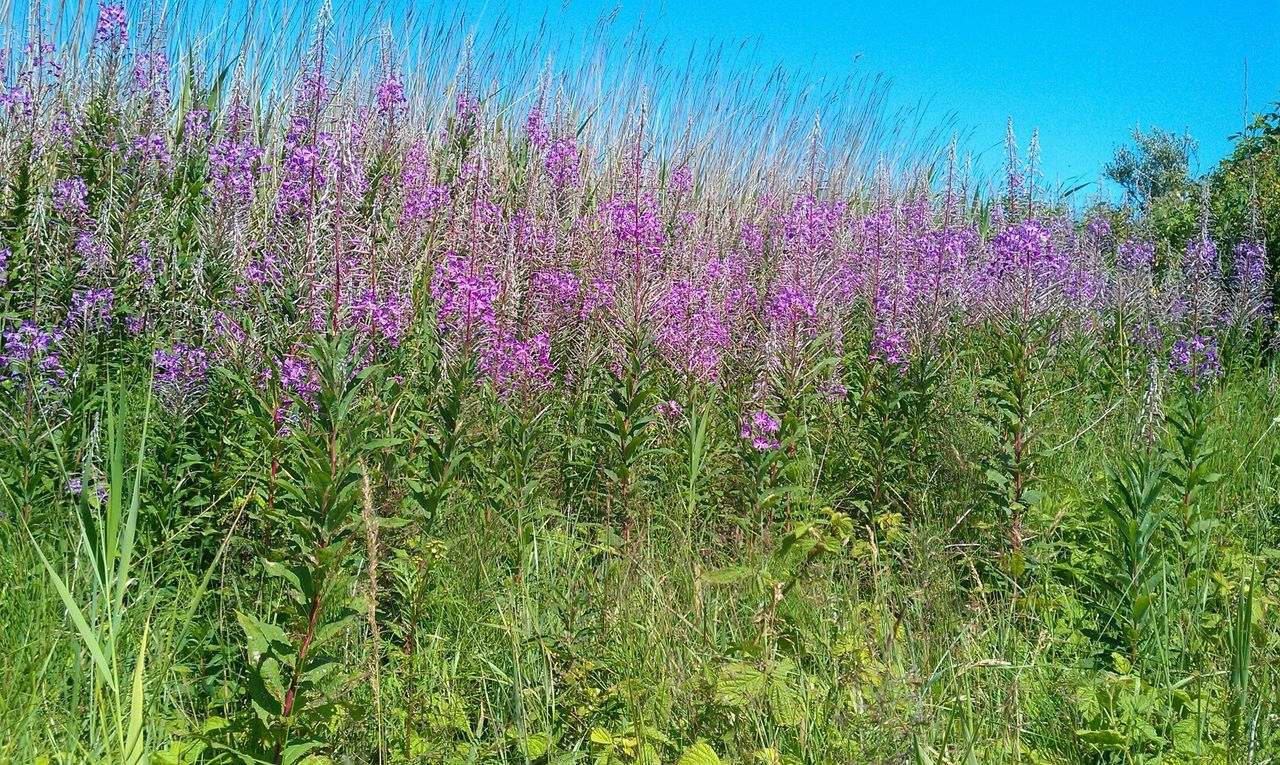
pixel 29 352
pixel 761 428
pixel 181 374
pixel 1196 357
pixel 545 247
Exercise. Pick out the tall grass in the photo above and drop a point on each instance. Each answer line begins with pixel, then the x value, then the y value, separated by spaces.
pixel 431 392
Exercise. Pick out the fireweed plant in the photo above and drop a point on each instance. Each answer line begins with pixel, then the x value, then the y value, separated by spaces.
pixel 401 397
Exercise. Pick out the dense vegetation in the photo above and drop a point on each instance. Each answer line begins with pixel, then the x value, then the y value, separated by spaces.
pixel 359 410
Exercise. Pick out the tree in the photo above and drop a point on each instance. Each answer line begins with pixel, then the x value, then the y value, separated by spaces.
pixel 1246 186
pixel 1156 165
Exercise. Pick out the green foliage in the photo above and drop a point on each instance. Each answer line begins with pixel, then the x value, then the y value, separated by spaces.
pixel 1156 165
pixel 296 678
pixel 1131 576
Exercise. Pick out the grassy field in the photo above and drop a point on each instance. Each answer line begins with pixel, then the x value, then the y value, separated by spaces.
pixel 365 405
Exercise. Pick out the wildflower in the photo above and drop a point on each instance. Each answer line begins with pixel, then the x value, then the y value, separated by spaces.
pixel 422 196
pixel 144 266
pixel 69 198
pixel 390 96
pixel 113 26
pixel 151 76
pixel 671 411
pixel 562 162
pixel 28 352
pixel 195 128
pixel 889 347
pixel 385 318
pixel 682 179
pixel 466 113
pixel 535 128
pixel 95 255
pixel 234 165
pixel 691 333
pixel 306 170
pixel 1099 228
pixel 1136 255
pixel 1201 258
pixel 180 375
pixel 762 429
pixel 91 309
pixel 1195 357
pixel 513 365
pixel 1249 267
pixel 465 292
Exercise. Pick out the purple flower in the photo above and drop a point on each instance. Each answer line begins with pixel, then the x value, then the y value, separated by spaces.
pixel 465 293
pixel 762 428
pixel 682 179
pixel 466 112
pixel 151 150
pixel 26 351
pixel 889 347
pixel 636 235
pixel 299 384
pixel 195 128
pixel 515 366
pixel 671 411
pixel 91 309
pixel 1136 255
pixel 69 198
pixel 556 299
pixel 1250 265
pixel 137 325
pixel 791 307
pixel 151 76
pixel 95 255
pixel 1195 357
pixel 264 271
pixel 307 169
pixel 234 164
pixel 691 334
pixel 1099 228
pixel 1201 259
pixel 422 195
pixel 386 318
pixel 535 128
pixel 113 26
pixel 562 162
pixel 144 266
pixel 180 375
pixel 390 96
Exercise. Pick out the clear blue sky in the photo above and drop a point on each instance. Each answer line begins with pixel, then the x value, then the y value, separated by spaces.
pixel 1082 71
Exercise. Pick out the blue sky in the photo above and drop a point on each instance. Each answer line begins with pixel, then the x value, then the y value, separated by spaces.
pixel 1082 71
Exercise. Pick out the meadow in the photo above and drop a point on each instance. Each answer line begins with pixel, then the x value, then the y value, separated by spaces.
pixel 374 401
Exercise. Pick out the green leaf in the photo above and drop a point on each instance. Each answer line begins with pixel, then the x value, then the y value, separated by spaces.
pixel 82 625
pixel 296 752
pixel 784 702
pixel 647 755
pixel 601 736
pixel 134 749
pixel 739 684
pixel 730 575
pixel 262 635
pixel 536 746
pixel 1105 739
pixel 699 754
